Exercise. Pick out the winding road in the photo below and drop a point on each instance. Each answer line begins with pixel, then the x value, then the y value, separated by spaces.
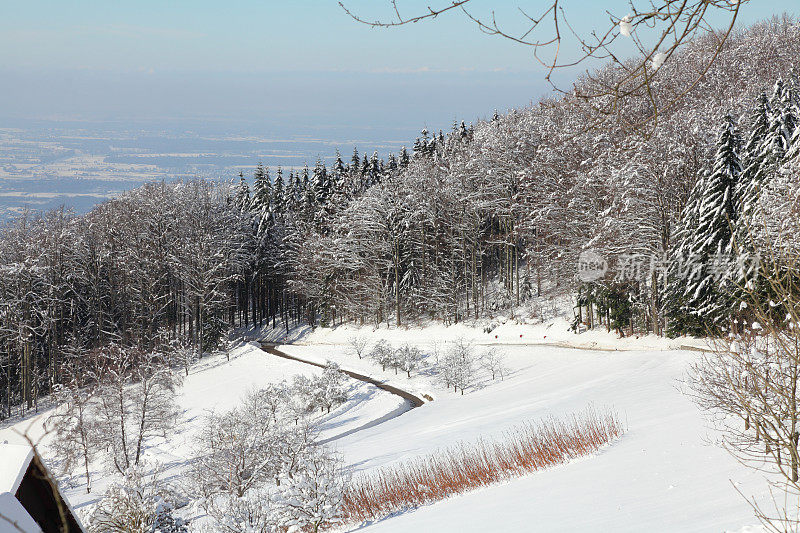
pixel 411 400
pixel 415 401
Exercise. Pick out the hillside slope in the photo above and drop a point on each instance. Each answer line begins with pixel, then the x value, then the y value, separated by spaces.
pixel 665 474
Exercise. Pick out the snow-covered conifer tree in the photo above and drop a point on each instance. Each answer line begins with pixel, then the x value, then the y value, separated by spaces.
pixel 705 292
pixel 262 190
pixel 278 192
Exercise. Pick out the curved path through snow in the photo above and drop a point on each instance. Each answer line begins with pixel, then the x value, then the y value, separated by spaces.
pixel 411 399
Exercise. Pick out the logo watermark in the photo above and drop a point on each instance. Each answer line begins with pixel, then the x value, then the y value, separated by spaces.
pixel 593 266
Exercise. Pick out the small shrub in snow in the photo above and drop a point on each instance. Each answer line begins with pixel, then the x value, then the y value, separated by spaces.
pixel 314 497
pixel 408 358
pixel 358 346
pixel 469 466
pixel 253 512
pixel 493 361
pixel 165 521
pixel 139 503
pixel 383 354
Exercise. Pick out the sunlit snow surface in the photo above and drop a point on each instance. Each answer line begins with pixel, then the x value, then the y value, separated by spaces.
pixel 661 476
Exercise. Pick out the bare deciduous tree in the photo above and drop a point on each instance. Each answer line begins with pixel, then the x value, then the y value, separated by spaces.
pixel 457 367
pixel 409 358
pixel 749 385
pixel 136 400
pixel 358 345
pixel 74 426
pixel 656 28
pixel 493 361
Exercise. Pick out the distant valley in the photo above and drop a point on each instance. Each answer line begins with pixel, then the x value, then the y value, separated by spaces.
pixel 44 164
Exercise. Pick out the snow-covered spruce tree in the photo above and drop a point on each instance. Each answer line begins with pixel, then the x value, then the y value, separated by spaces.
pixel 754 170
pixel 262 189
pixel 288 196
pixel 770 144
pixel 243 200
pixel 403 159
pixel 278 192
pixel 679 321
pixel 773 124
pixel 615 302
pixel 314 497
pixel 702 277
pixel 321 186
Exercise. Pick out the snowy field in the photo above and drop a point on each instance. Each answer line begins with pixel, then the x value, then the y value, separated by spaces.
pixel 662 475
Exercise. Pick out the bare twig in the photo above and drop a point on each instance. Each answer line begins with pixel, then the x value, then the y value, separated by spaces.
pixel 657 29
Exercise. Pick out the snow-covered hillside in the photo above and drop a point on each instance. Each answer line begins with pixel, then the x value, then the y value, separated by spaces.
pixel 662 475
pixel 218 384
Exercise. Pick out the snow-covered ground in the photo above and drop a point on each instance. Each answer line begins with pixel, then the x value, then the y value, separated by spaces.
pixel 501 331
pixel 216 384
pixel 662 475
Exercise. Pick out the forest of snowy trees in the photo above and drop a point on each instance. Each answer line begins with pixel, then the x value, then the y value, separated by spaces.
pixel 468 224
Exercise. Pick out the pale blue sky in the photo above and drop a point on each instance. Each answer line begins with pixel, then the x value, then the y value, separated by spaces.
pixel 214 35
pixel 296 59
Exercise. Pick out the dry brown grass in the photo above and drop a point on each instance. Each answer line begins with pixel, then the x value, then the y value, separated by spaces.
pixel 525 449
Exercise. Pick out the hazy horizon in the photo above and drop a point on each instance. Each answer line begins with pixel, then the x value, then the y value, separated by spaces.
pixel 91 87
